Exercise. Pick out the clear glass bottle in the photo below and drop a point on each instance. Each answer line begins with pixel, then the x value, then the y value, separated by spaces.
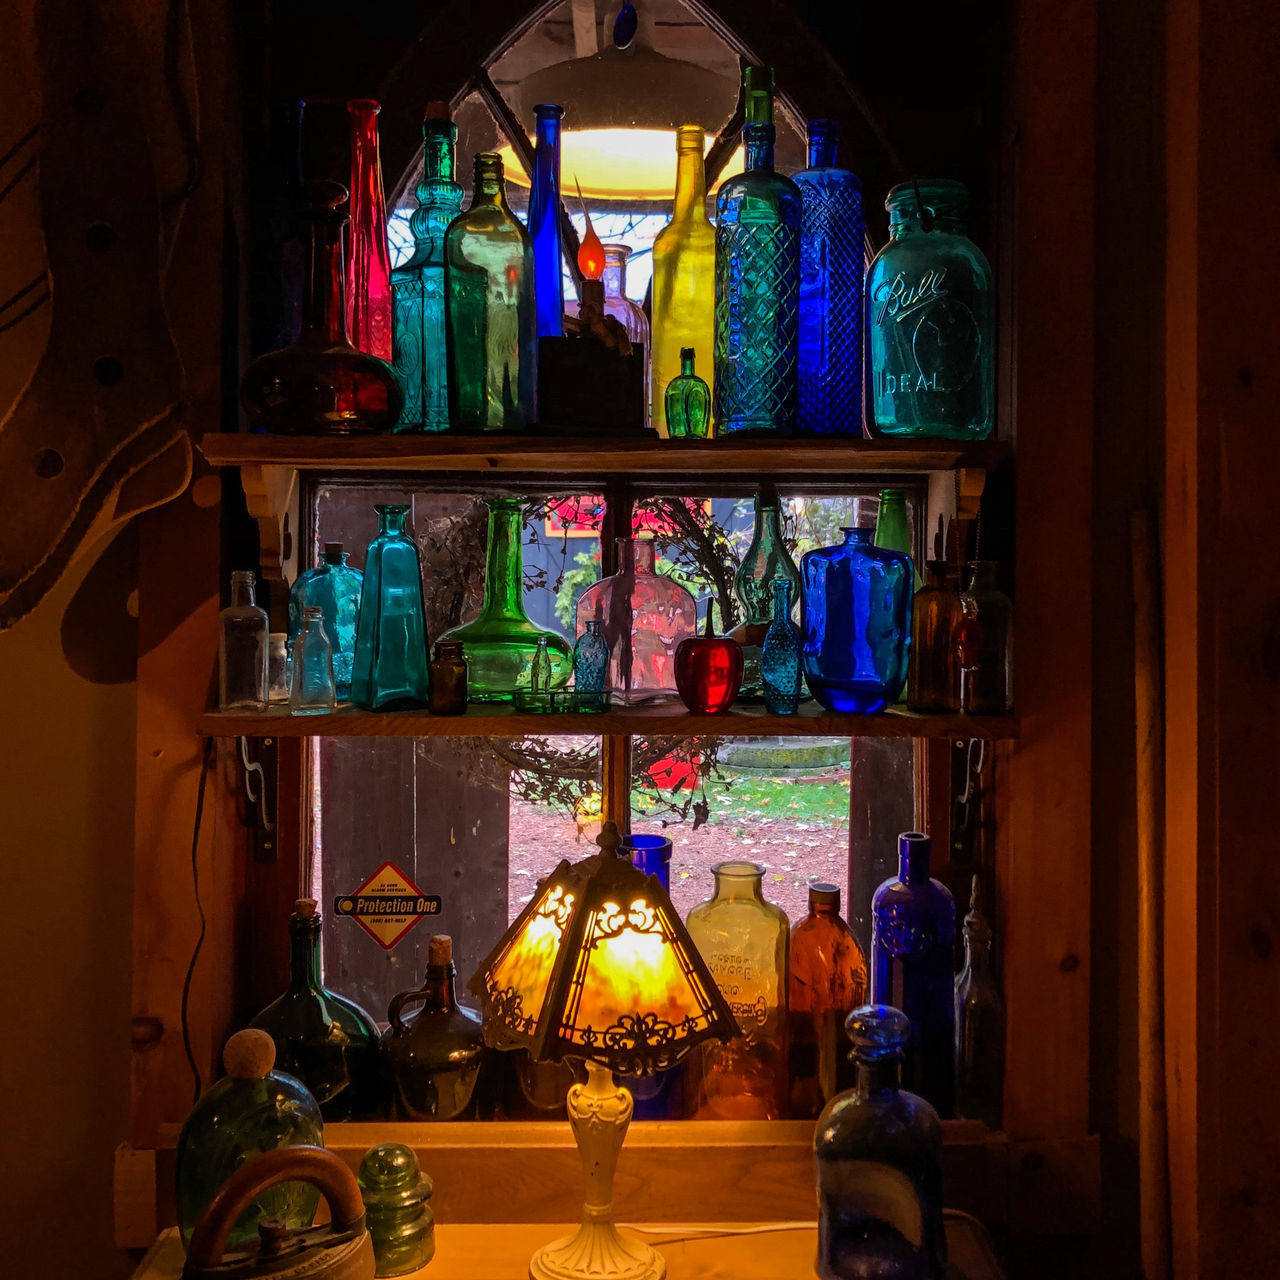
pixel 933 670
pixel 590 659
pixel 979 1023
pixel 765 559
pixel 643 616
pixel 311 686
pixel 544 221
pixel 540 668
pixel 878 1150
pixel 418 285
pixel 758 216
pixel 913 935
pixel 335 587
pixel 744 941
pixel 930 320
pixel 780 656
pixel 242 649
pixel 390 669
pixel 448 680
pixel 684 276
pixel 832 267
pixel 986 675
pixel 279 668
pixel 618 305
pixel 369 271
pixel 490 325
pixel 688 403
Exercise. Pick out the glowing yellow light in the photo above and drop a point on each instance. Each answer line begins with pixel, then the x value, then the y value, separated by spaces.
pixel 526 966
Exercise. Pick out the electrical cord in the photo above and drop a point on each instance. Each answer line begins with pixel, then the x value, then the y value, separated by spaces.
pixel 205 762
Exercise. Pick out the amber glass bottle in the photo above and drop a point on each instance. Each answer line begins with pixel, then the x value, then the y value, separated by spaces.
pixel 933 671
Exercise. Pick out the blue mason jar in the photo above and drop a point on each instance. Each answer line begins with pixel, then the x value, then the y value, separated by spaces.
pixel 857 623
pixel 930 318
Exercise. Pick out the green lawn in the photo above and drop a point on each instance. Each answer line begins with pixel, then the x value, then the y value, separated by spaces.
pixel 749 798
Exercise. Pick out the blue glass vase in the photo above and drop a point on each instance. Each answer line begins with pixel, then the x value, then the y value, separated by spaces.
pixel 930 320
pixel 780 661
pixel 544 222
pixel 913 936
pixel 857 623
pixel 417 286
pixel 590 659
pixel 832 266
pixel 390 671
pixel 650 854
pixel 758 216
pixel 868 1140
pixel 334 588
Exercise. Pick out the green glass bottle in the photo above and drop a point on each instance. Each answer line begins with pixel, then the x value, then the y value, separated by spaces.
pixel 765 559
pixel 688 402
pixel 489 321
pixel 324 1039
pixel 502 642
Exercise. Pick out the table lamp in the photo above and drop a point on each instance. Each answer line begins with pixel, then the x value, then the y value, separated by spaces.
pixel 599 966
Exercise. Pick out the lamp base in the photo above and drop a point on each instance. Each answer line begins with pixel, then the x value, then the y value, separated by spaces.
pixel 597 1251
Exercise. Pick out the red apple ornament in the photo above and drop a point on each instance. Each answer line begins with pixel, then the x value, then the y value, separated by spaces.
pixel 708 671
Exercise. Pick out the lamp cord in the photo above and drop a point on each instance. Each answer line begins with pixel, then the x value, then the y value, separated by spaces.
pixel 195 884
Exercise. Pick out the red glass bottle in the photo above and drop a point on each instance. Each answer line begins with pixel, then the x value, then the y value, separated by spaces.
pixel 708 671
pixel 369 299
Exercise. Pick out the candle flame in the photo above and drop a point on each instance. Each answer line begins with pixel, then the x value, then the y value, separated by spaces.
pixel 590 251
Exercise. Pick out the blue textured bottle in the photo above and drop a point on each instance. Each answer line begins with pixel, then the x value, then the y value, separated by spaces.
pixel 780 661
pixel 334 588
pixel 544 222
pixel 758 218
pixel 832 266
pixel 913 935
pixel 591 661
pixel 417 285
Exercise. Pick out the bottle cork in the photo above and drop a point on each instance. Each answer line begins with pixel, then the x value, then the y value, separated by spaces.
pixel 249 1055
pixel 440 949
pixel 305 907
pixel 436 110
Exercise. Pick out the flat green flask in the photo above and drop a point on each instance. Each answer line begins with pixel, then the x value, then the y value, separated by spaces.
pixel 688 402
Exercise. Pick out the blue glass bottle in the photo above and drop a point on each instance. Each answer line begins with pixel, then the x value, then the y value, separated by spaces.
pixel 913 936
pixel 832 267
pixel 334 588
pixel 930 320
pixel 857 623
pixel 418 285
pixel 391 671
pixel 544 222
pixel 758 216
pixel 878 1151
pixel 590 661
pixel 650 854
pixel 780 662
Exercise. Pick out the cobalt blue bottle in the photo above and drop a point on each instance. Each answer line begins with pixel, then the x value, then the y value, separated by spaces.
pixel 832 266
pixel 544 222
pixel 913 937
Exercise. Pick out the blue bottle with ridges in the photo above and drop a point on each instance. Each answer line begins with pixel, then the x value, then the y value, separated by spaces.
pixel 780 659
pixel 544 222
pixel 832 266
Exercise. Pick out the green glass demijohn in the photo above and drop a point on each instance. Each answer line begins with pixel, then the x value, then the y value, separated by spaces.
pixel 395 1195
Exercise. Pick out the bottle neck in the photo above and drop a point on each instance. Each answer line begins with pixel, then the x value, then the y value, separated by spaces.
pixel 903 223
pixel 913 864
pixel 691 184
pixel 879 1076
pixel 782 609
pixel 439 138
pixel 323 292
pixel 615 274
pixel 977 951
pixel 546 134
pixel 304 955
pixel 822 148
pixel 739 882
pixel 488 182
pixel 504 561
pixel 439 987
pixel 392 520
pixel 757 141
pixel 242 593
pixel 686 365
pixel 635 555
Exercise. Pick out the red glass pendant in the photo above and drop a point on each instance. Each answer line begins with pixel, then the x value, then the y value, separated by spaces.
pixel 708 671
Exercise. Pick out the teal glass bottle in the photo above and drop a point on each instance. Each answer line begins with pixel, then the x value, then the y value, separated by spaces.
pixel 544 221
pixel 390 671
pixel 758 216
pixel 334 588
pixel 590 660
pixel 765 559
pixel 489 321
pixel 688 402
pixel 418 285
pixel 780 663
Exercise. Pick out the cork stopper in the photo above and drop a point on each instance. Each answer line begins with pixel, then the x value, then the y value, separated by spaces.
pixel 305 908
pixel 333 552
pixel 440 949
pixel 436 110
pixel 249 1055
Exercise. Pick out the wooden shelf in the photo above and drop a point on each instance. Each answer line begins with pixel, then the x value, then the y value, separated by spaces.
pixel 666 721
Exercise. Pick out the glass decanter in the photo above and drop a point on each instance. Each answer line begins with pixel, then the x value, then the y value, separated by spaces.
pixel 933 671
pixel 828 982
pixel 590 659
pixel 490 326
pixel 979 1023
pixel 744 941
pixel 643 616
pixel 433 1056
pixel 242 649
pixel 986 675
pixel 311 687
pixel 326 1040
pixel 369 271
pixel 765 559
pixel 501 642
pixel 334 587
pixel 780 656
pixel 418 285
pixel 913 934
pixel 878 1151
pixel 930 320
pixel 758 216
pixel 544 221
pixel 688 402
pixel 390 668
pixel 684 278
pixel 832 267
pixel 321 384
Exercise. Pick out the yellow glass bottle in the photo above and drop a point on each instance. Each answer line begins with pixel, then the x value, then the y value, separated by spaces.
pixel 684 277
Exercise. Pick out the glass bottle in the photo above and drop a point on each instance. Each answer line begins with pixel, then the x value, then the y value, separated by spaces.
pixel 321 384
pixel 369 271
pixel 758 217
pixel 540 668
pixel 329 1042
pixel 688 402
pixel 986 677
pixel 832 267
pixel 780 656
pixel 311 689
pixel 418 284
pixel 765 559
pixel 544 221
pixel 650 854
pixel 893 528
pixel 616 302
pixel 878 1151
pixel 395 1194
pixel 643 616
pixel 335 587
pixel 490 327
pixel 933 670
pixel 279 668
pixel 744 941
pixel 590 659
pixel 828 982
pixel 979 1023
pixel 857 623
pixel 930 320
pixel 448 680
pixel 390 668
pixel 242 649
pixel 433 1056
pixel 501 642
pixel 684 276
pixel 913 934
pixel 252 1109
